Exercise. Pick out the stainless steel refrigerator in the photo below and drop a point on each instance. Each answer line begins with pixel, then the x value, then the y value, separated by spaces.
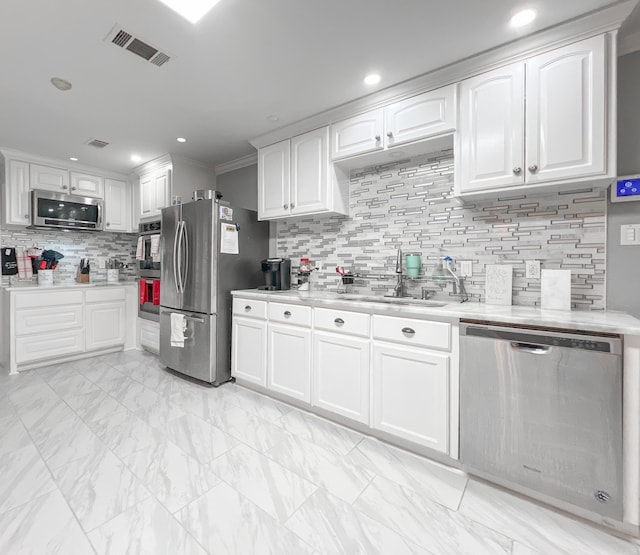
pixel 197 277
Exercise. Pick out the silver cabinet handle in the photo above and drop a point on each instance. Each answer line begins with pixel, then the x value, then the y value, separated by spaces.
pixel 64 187
pixel 533 168
pixel 286 206
pixel 408 331
pixel 377 138
pixel 292 206
pixel 73 188
pixel 287 314
pixel 26 216
pixel 108 224
pixel 390 134
pixel 247 308
pixel 339 322
pixel 517 170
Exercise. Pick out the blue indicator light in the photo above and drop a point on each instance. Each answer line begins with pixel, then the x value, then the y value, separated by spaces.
pixel 628 187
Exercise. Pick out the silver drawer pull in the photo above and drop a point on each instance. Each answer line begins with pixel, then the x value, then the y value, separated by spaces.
pixel 339 321
pixel 247 308
pixel 287 314
pixel 408 331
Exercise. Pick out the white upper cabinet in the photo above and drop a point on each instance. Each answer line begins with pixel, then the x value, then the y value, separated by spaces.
pixel 491 129
pixel 17 199
pixel 296 178
pixel 556 133
pixel 87 185
pixel 274 177
pixel 357 135
pixel 155 191
pixel 117 206
pixel 309 171
pixel 428 114
pixel 416 118
pixel 566 112
pixel 45 178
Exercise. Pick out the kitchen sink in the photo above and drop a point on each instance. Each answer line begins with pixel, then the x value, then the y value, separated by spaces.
pixel 392 300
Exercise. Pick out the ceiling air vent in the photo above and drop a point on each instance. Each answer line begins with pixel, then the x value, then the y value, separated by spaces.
pixel 97 143
pixel 126 40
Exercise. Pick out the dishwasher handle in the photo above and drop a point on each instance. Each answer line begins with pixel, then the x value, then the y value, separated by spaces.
pixel 530 348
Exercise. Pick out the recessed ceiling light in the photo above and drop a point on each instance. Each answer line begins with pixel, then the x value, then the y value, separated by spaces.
pixel 522 18
pixel 73 159
pixel 181 140
pixel 372 79
pixel 61 84
pixel 136 158
pixel 273 117
pixel 191 10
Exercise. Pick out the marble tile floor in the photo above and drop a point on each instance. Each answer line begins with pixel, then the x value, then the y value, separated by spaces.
pixel 116 454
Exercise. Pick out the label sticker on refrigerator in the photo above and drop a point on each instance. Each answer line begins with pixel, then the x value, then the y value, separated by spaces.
pixel 226 213
pixel 229 239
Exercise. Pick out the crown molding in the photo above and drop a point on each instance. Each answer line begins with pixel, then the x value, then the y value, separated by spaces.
pixel 593 23
pixel 629 44
pixel 238 163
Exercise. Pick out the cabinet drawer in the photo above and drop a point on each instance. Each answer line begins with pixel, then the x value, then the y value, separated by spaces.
pixel 38 299
pixel 37 320
pixel 290 314
pixel 420 333
pixel 250 308
pixel 46 346
pixel 352 323
pixel 103 295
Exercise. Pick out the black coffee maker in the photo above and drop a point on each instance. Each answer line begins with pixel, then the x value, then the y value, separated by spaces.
pixel 277 274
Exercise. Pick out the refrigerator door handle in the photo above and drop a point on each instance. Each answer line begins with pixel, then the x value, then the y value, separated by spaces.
pixel 185 239
pixel 181 229
pixel 175 258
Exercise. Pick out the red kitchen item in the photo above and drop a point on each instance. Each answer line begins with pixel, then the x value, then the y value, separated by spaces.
pixel 144 291
pixel 155 291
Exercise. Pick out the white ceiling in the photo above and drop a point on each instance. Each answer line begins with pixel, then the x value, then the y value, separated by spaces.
pixel 244 61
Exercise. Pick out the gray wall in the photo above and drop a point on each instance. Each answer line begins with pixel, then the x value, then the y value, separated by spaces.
pixel 623 263
pixel 240 187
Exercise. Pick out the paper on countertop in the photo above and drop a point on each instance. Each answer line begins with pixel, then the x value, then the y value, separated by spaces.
pixel 229 239
pixel 499 284
pixel 555 289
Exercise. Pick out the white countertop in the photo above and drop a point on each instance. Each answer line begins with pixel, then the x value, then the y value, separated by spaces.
pixel 598 321
pixel 21 286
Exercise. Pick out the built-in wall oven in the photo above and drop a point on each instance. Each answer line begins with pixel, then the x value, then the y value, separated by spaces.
pixel 148 269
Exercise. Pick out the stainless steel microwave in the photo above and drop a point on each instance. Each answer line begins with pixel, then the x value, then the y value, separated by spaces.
pixel 58 211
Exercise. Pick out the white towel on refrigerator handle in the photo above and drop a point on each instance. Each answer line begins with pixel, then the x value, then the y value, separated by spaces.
pixel 154 251
pixel 140 249
pixel 178 327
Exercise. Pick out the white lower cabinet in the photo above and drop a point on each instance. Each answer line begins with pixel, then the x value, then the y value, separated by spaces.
pixel 410 394
pixel 341 375
pixel 48 346
pixel 105 325
pixel 289 368
pixel 149 335
pixel 249 350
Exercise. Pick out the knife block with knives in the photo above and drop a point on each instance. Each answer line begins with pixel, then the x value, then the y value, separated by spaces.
pixel 84 271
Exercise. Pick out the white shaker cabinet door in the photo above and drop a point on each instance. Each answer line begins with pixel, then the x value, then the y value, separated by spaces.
pixel 87 185
pixel 411 394
pixel 566 112
pixel 105 325
pixel 17 209
pixel 491 130
pixel 117 206
pixel 341 375
pixel 289 368
pixel 309 172
pixel 147 196
pixel 357 135
pixel 274 176
pixel 418 117
pixel 162 186
pixel 45 178
pixel 249 350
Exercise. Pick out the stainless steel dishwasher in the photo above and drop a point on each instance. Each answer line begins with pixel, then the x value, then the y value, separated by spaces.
pixel 543 409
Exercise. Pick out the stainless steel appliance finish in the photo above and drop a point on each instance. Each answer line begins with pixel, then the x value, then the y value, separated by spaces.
pixel 58 211
pixel 149 271
pixel 543 410
pixel 197 280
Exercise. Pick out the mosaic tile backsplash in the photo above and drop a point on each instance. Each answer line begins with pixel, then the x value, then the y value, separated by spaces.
pixel 97 246
pixel 408 204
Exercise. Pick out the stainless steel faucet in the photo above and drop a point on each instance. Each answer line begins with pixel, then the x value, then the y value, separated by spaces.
pixel 399 289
